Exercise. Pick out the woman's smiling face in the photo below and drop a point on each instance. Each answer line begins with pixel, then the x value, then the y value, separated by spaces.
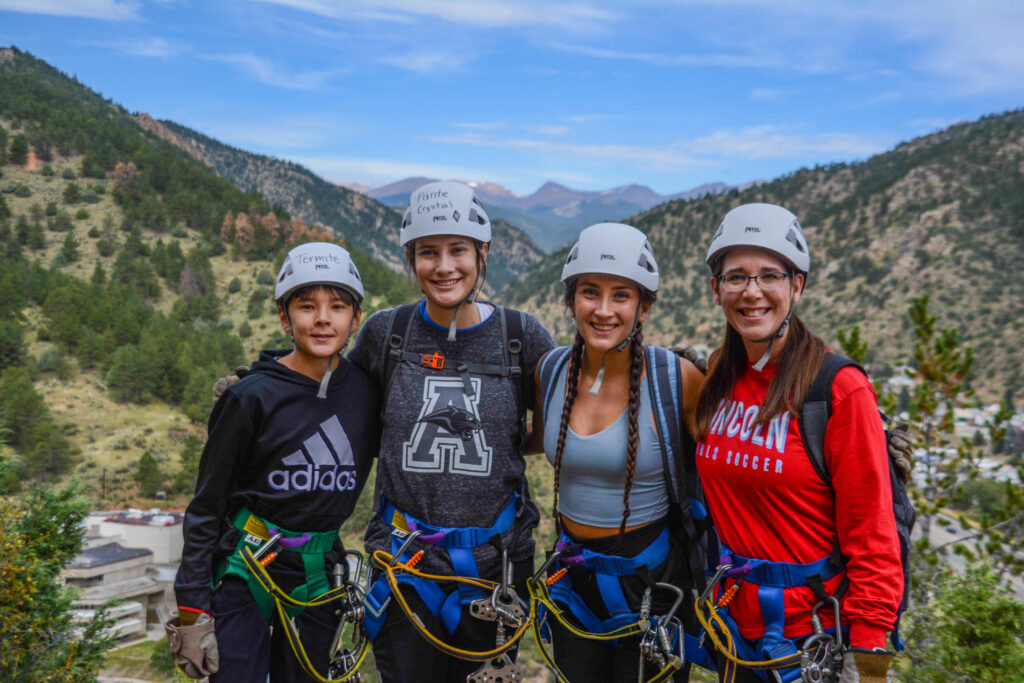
pixel 754 312
pixel 605 307
pixel 446 268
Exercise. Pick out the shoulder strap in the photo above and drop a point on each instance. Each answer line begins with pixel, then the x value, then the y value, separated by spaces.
pixel 512 334
pixel 550 369
pixel 399 324
pixel 817 410
pixel 689 514
pixel 666 389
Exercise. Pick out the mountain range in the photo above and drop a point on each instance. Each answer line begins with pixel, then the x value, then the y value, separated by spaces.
pixel 366 223
pixel 554 214
pixel 941 215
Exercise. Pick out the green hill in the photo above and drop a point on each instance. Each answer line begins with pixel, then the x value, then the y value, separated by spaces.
pixel 132 276
pixel 367 224
pixel 942 214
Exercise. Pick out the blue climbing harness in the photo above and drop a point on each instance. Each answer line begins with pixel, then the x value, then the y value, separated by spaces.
pixel 771 578
pixel 458 542
pixel 608 569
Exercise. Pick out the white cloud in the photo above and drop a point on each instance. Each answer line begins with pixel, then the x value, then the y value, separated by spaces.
pixel 269 73
pixel 480 125
pixel 756 142
pixel 575 17
pixel 112 10
pixel 772 142
pixel 376 172
pixel 669 60
pixel 552 130
pixel 290 133
pixel 664 158
pixel 427 62
pixel 149 47
pixel 771 94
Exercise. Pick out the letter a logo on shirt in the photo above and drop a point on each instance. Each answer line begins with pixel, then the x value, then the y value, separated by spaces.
pixel 448 435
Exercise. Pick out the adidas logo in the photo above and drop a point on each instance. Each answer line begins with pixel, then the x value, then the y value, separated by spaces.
pixel 316 467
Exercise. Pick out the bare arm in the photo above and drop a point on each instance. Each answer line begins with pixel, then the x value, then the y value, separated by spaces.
pixel 535 429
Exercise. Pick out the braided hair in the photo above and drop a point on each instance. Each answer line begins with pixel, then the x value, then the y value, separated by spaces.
pixel 636 369
pixel 573 376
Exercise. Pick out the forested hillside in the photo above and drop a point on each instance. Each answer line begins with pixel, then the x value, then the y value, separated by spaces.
pixel 940 215
pixel 132 276
pixel 367 224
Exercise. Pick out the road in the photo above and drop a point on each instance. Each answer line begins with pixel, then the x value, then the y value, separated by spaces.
pixel 941 535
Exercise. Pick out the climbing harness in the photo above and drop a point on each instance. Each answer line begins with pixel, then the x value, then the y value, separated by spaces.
pixel 497 601
pixel 818 660
pixel 251 565
pixel 660 636
pixel 345 662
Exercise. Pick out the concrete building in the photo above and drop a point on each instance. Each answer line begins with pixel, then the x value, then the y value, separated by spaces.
pixel 128 556
pixel 106 570
pixel 154 529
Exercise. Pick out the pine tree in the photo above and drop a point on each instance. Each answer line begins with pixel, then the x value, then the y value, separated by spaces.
pixel 40 532
pixel 19 150
pixel 148 475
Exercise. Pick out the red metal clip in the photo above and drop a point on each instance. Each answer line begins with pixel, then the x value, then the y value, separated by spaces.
pixel 433 360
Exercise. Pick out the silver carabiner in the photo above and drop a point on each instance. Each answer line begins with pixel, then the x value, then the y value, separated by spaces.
pixel 413 535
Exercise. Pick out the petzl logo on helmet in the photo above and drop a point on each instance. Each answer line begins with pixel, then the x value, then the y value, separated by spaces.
pixel 325 463
pixel 448 435
pixel 607 257
pixel 752 228
pixel 456 215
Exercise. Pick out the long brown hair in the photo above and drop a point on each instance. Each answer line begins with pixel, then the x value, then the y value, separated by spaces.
pixel 799 362
pixel 636 369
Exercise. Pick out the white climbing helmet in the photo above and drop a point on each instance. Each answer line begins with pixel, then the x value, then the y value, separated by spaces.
pixel 613 249
pixel 445 208
pixel 318 263
pixel 761 226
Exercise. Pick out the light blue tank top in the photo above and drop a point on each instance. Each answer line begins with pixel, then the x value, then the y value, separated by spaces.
pixel 593 469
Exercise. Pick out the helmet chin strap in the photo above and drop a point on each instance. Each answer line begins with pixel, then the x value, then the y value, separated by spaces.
pixel 322 393
pixel 599 380
pixel 763 361
pixel 481 273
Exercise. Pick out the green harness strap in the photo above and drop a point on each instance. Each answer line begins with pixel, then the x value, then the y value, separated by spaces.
pixel 255 532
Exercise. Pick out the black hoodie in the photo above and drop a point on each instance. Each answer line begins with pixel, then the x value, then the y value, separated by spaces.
pixel 297 461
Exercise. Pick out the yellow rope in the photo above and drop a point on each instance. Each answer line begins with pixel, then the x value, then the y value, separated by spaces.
pixel 728 649
pixel 281 598
pixel 385 562
pixel 540 595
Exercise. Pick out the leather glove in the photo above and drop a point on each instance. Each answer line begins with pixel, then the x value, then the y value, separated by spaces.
pixel 901 449
pixel 224 382
pixel 194 648
pixel 866 666
pixel 690 354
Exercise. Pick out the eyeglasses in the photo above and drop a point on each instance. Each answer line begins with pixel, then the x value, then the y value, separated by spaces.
pixel 767 282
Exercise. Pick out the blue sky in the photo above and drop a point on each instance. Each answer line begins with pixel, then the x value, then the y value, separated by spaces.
pixel 668 94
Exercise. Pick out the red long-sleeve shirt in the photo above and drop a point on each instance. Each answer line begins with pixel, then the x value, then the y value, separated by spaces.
pixel 767 502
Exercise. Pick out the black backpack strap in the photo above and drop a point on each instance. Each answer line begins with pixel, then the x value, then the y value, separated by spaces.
pixel 399 324
pixel 512 335
pixel 688 512
pixel 817 409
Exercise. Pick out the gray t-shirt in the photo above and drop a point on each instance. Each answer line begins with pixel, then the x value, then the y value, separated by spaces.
pixel 431 473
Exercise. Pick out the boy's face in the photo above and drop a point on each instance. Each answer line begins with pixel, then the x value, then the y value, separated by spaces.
pixel 321 322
